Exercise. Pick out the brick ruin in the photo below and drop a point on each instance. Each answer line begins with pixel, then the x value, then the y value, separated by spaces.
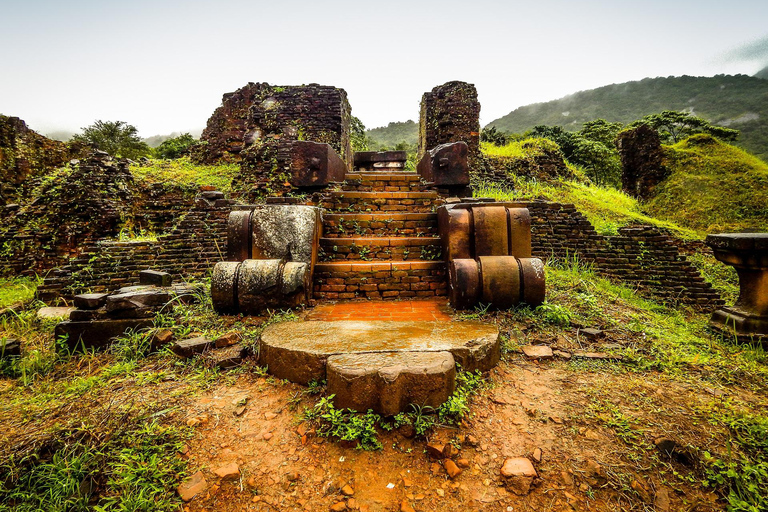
pixel 642 161
pixel 399 258
pixel 259 124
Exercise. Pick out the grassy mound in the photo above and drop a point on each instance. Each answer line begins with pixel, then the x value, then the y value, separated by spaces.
pixel 713 187
pixel 183 173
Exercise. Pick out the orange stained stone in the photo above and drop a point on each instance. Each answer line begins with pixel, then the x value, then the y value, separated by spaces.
pixel 401 310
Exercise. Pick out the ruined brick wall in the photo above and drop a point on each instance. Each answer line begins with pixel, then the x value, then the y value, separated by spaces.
pixel 256 124
pixel 25 154
pixel 642 166
pixel 450 113
pixel 93 199
pixel 543 164
pixel 190 250
pixel 639 255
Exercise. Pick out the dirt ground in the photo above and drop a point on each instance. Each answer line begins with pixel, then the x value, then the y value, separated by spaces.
pixel 528 409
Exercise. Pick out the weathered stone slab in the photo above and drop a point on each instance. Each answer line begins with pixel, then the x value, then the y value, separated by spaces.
pixel 388 382
pixel 155 277
pixel 97 333
pixel 90 300
pixel 54 313
pixel 137 299
pixel 189 347
pixel 368 157
pixel 537 352
pixel 299 351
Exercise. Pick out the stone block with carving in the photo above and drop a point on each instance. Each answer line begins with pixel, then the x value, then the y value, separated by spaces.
pixel 446 165
pixel 315 164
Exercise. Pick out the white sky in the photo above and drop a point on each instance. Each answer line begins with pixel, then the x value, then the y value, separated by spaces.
pixel 163 65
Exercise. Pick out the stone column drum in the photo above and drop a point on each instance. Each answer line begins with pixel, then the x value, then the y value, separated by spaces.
pixel 748 254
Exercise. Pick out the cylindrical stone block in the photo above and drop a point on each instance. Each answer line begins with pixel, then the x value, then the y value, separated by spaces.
pixel 224 287
pixel 534 281
pixel 258 285
pixel 501 281
pixel 454 226
pixel 490 230
pixel 295 283
pixel 519 223
pixel 239 235
pixel 464 283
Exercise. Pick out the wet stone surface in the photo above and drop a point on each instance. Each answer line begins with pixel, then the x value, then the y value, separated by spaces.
pixel 299 351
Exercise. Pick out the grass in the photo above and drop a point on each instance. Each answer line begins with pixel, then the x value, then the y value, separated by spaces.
pixel 713 187
pixel 17 290
pixel 606 208
pixel 182 172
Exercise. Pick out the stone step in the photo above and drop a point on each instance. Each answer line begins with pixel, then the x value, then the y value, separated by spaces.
pixel 338 225
pixel 390 166
pixel 380 279
pixel 403 248
pixel 299 351
pixel 391 202
pixel 389 382
pixel 383 182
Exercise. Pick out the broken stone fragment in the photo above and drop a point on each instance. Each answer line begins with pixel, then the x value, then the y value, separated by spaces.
pixel 137 299
pixel 519 474
pixel 451 468
pixel 229 472
pixel 537 352
pixel 161 338
pixel 591 333
pixel 228 357
pixel 594 474
pixel 9 347
pixel 189 347
pixel 192 487
pixel 227 340
pixel 90 300
pixel 155 277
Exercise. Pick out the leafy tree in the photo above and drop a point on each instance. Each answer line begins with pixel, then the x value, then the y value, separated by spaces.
pixel 359 139
pixel 117 138
pixel 601 131
pixel 175 147
pixel 674 126
pixel 493 136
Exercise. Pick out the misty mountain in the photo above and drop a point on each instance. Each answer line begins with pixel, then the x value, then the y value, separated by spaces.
pixel 736 101
pixel 763 73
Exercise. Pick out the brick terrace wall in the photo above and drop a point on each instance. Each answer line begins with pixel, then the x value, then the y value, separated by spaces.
pixel 640 255
pixel 450 113
pixel 191 249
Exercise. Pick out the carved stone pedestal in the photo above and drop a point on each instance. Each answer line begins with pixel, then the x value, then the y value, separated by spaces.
pixel 748 254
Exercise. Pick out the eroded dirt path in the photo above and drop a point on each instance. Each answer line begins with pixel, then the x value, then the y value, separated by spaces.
pixel 570 416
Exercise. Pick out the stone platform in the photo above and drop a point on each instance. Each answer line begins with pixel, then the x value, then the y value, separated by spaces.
pixel 383 365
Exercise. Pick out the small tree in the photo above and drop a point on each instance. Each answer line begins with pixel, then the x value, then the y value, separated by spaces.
pixel 493 136
pixel 117 138
pixel 175 147
pixel 601 131
pixel 358 137
pixel 674 126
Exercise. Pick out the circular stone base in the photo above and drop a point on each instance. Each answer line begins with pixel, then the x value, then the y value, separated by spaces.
pixel 298 351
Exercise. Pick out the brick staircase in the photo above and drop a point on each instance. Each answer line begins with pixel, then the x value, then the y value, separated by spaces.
pixel 380 235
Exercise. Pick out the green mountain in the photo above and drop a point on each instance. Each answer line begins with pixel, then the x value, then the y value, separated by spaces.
pixel 763 73
pixel 736 101
pixel 395 133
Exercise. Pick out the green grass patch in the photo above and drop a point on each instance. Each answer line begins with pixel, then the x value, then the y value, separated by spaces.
pixel 606 208
pixel 18 290
pixel 713 187
pixel 182 172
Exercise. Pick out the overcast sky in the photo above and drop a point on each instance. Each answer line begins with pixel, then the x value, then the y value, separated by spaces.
pixel 163 65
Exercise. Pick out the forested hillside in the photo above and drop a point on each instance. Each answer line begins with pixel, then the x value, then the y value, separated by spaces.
pixel 736 101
